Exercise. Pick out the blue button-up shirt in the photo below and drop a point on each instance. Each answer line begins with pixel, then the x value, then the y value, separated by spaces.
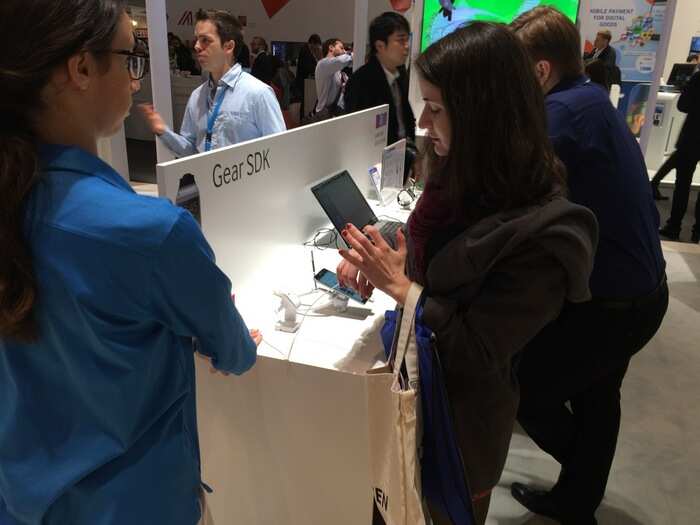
pixel 249 111
pixel 606 173
pixel 97 418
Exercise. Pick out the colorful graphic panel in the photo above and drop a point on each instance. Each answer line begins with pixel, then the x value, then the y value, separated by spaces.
pixel 441 17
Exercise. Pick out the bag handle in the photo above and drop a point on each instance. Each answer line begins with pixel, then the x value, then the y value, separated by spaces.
pixel 408 318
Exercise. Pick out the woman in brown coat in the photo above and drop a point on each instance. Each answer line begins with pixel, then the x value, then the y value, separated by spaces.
pixel 493 240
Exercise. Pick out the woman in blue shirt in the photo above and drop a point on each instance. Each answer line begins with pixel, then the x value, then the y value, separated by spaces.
pixel 101 290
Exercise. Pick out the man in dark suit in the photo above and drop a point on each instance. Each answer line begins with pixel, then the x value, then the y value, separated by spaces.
pixel 309 55
pixel 686 157
pixel 264 64
pixel 602 50
pixel 384 80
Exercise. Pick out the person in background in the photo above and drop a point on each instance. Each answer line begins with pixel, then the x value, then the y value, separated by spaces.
pixel 264 64
pixel 182 55
pixel 263 67
pixel 384 80
pixel 671 162
pixel 101 290
pixel 684 159
pixel 492 239
pixel 330 80
pixel 275 73
pixel 347 70
pixel 598 73
pixel 693 58
pixel 258 46
pixel 282 82
pixel 581 358
pixel 309 55
pixel 243 57
pixel 602 50
pixel 232 106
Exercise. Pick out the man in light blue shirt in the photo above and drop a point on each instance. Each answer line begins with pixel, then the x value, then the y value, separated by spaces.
pixel 232 106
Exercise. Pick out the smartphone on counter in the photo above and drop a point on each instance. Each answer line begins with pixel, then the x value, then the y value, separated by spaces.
pixel 329 280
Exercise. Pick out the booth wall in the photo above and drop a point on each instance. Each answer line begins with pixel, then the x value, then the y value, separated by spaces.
pixel 377 7
pixel 686 24
pixel 294 22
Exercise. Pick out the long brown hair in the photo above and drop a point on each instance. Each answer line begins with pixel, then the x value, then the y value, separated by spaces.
pixel 35 37
pixel 500 156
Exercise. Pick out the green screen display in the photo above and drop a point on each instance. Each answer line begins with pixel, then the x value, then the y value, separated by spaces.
pixel 441 17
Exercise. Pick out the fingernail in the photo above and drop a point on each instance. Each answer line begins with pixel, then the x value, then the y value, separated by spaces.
pixel 344 232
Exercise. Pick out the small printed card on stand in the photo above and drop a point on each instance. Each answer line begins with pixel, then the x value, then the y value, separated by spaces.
pixel 387 177
pixel 375 177
pixel 393 160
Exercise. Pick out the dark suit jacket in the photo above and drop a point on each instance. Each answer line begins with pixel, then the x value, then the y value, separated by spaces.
pixel 607 57
pixel 689 102
pixel 265 66
pixel 368 87
pixel 306 68
pixel 243 57
pixel 306 64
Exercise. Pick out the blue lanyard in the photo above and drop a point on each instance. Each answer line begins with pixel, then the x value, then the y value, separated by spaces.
pixel 213 117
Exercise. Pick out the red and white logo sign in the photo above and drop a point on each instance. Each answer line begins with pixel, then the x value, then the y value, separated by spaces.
pixel 272 7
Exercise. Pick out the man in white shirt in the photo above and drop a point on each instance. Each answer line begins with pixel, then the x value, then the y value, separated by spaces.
pixel 330 78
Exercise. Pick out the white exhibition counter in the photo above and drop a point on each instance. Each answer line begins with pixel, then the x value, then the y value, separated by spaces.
pixel 287 442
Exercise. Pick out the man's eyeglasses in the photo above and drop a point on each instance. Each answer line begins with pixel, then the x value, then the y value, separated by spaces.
pixel 136 62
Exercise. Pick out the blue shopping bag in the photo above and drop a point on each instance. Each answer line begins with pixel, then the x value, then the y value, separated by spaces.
pixel 442 475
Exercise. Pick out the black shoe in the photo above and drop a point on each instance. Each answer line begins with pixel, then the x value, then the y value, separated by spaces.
pixel 537 501
pixel 669 233
pixel 657 194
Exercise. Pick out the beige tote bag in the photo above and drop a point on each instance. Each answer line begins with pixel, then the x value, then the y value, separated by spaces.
pixel 394 428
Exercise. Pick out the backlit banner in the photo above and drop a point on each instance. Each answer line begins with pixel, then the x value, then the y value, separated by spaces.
pixel 636 27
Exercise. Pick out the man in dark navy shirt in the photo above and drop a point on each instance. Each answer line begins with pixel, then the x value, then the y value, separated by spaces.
pixel 582 357
pixel 687 156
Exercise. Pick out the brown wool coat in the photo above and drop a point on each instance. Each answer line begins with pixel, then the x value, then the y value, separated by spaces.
pixel 488 292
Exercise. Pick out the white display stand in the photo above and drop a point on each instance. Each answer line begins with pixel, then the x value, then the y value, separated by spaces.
pixel 286 442
pixel 666 125
pixel 387 176
pixel 615 95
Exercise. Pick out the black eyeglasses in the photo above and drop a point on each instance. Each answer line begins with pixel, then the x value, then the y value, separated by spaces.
pixel 136 62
